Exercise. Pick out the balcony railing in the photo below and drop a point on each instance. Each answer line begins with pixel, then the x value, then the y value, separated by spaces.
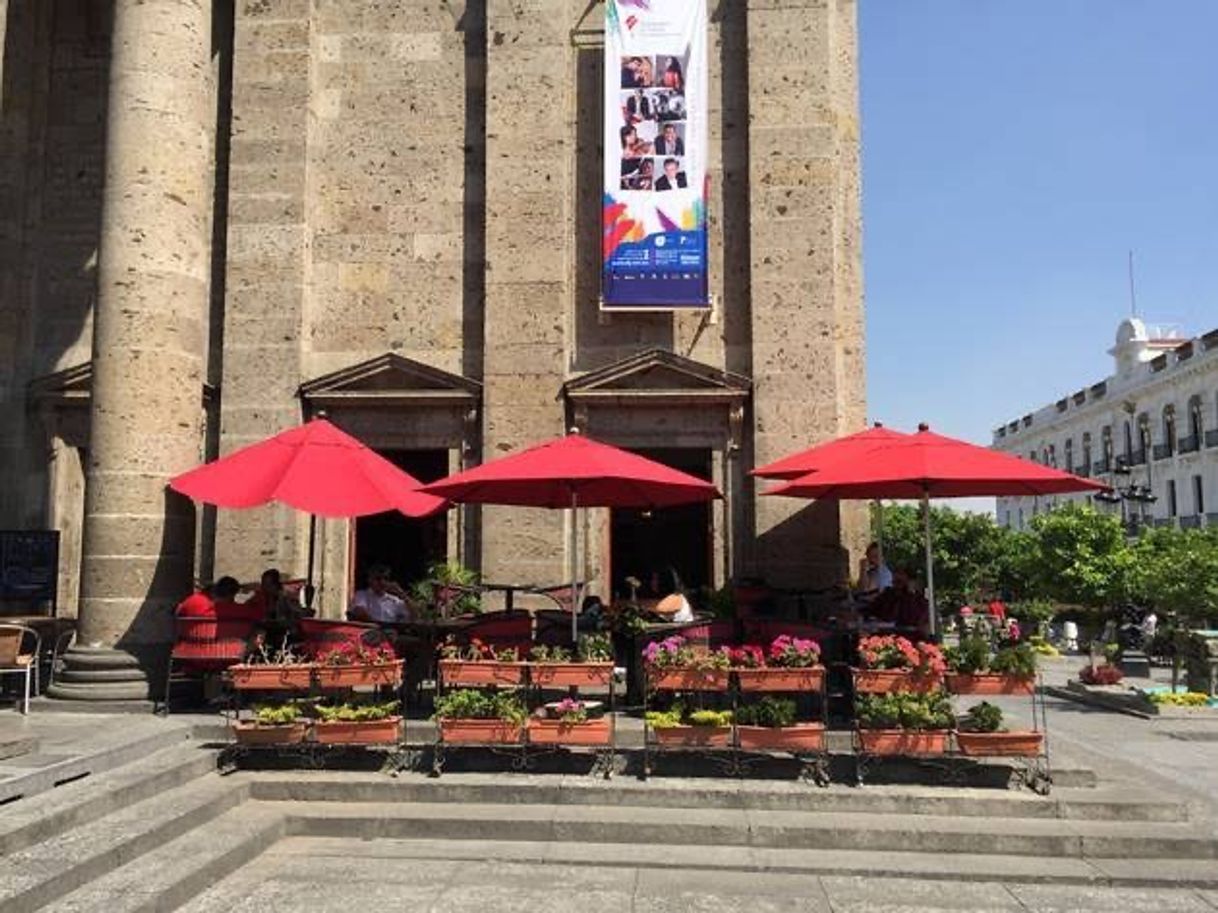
pixel 1190 444
pixel 1192 521
pixel 1137 458
pixel 1164 521
pixel 1211 519
pixel 1211 438
pixel 1101 467
pixel 1162 451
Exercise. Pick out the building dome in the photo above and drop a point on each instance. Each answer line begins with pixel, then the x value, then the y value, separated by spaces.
pixel 1131 329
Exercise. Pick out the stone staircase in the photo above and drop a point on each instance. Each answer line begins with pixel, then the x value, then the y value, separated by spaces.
pixel 161 829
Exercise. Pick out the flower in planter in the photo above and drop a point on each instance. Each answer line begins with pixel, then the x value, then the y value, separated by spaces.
pixel 680 715
pixel 1016 659
pixel 748 656
pixel 570 710
pixel 476 704
pixel 356 712
pixel 594 648
pixel 545 654
pixel 676 652
pixel 353 653
pixel 277 714
pixel 893 652
pixel 793 652
pixel 1105 674
pixel 971 657
pixel 905 710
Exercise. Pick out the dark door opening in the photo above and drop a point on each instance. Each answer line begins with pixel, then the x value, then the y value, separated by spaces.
pixel 642 542
pixel 406 545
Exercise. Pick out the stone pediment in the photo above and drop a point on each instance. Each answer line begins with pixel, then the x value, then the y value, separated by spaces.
pixel 658 376
pixel 74 387
pixel 390 379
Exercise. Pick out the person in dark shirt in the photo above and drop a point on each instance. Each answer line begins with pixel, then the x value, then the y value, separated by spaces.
pixel 672 177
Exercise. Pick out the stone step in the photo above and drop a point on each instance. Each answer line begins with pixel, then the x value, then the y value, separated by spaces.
pixel 1061 838
pixel 29 821
pixel 171 874
pixel 53 868
pixel 114 746
pixel 1081 804
pixel 687 861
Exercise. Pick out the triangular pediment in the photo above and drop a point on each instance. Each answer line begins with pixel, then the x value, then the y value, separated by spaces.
pixel 75 385
pixel 657 372
pixel 390 377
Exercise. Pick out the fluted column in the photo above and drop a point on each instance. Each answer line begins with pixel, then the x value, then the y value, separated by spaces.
pixel 149 342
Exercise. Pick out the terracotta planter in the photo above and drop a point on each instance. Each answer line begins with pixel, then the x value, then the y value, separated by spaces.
pixel 689 679
pixel 697 736
pixel 364 732
pixel 800 737
pixel 250 733
pixel 271 677
pixel 556 732
pixel 903 741
pixel 884 681
pixel 1008 744
pixel 360 675
pixel 464 672
pixel 781 679
pixel 497 732
pixel 564 675
pixel 990 683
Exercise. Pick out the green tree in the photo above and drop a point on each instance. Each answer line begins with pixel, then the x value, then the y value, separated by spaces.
pixel 1177 571
pixel 1077 555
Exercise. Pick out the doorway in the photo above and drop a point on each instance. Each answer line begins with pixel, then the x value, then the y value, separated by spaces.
pixel 407 546
pixel 643 541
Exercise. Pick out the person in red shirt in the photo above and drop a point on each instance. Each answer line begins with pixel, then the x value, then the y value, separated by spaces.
pixel 215 601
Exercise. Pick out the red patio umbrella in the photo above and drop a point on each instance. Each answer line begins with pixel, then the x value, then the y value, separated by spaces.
pixel 573 472
pixel 828 454
pixel 315 468
pixel 928 465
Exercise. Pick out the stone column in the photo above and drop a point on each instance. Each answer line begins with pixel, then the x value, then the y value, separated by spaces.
pixel 149 341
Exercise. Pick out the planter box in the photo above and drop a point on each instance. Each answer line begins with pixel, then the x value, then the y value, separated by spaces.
pixel 556 732
pixel 250 733
pixel 495 732
pixel 464 672
pixel 564 675
pixel 364 732
pixel 695 736
pixel 360 675
pixel 271 677
pixel 801 737
pixel 689 679
pixel 884 681
pixel 781 679
pixel 1007 744
pixel 903 741
pixel 990 683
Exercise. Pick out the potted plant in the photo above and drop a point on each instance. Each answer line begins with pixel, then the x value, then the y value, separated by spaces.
pixel 673 663
pixel 357 724
pixel 273 724
pixel 468 715
pixel 790 664
pixel 569 723
pixel 769 725
pixel 904 723
pixel 352 664
pixel 479 663
pixel 980 733
pixel 891 663
pixel 268 670
pixel 698 728
pixel 1101 674
pixel 1011 670
pixel 592 665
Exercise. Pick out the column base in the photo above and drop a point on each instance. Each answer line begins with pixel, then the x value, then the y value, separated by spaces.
pixel 100 674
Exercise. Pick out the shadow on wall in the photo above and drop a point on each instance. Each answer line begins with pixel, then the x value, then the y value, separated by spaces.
pixel 804 550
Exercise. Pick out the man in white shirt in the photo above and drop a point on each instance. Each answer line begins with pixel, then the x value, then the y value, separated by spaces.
pixel 382 603
pixel 874 575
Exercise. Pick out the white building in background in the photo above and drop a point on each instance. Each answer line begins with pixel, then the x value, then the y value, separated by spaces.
pixel 1150 430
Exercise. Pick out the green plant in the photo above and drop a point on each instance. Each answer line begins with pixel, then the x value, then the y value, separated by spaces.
pixel 1042 647
pixel 1105 674
pixel 540 653
pixel 355 712
pixel 983 717
pixel 594 648
pixel 970 657
pixel 769 711
pixel 902 710
pixel 447 583
pixel 1033 611
pixel 570 710
pixel 276 714
pixel 1015 660
pixel 710 718
pixel 474 704
pixel 664 719
pixel 680 715
pixel 1112 652
pixel 1182 699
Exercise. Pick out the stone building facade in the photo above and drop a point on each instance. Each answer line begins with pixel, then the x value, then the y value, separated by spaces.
pixel 1150 429
pixel 218 218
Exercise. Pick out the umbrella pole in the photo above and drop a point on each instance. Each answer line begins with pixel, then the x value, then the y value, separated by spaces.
pixel 309 590
pixel 879 528
pixel 930 563
pixel 574 567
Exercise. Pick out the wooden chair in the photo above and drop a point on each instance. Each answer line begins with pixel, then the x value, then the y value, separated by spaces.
pixel 20 648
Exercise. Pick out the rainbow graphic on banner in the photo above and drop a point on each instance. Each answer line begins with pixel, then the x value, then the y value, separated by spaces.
pixel 654 237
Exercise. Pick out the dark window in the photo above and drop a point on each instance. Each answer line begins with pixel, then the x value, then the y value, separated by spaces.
pixel 1171 497
pixel 1198 495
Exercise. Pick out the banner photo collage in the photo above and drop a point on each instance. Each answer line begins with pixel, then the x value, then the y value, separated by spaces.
pixel 654 198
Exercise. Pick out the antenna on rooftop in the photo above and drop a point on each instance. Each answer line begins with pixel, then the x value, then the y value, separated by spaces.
pixel 1133 296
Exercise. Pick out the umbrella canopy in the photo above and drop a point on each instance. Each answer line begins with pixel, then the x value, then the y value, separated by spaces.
pixel 573 471
pixel 829 454
pixel 915 465
pixel 315 468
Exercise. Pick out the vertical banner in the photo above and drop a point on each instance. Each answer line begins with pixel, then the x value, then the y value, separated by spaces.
pixel 654 240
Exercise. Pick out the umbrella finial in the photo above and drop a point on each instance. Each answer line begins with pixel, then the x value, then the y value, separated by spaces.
pixel 877 424
pixel 574 429
pixel 923 426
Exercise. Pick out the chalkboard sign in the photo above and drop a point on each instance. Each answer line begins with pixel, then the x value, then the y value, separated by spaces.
pixel 29 565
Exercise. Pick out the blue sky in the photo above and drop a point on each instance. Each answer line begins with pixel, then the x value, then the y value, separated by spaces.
pixel 1013 153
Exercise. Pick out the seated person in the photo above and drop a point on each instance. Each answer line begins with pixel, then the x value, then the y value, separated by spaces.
pixel 900 605
pixel 383 602
pixel 874 575
pixel 271 603
pixel 672 604
pixel 226 605
pixel 213 601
